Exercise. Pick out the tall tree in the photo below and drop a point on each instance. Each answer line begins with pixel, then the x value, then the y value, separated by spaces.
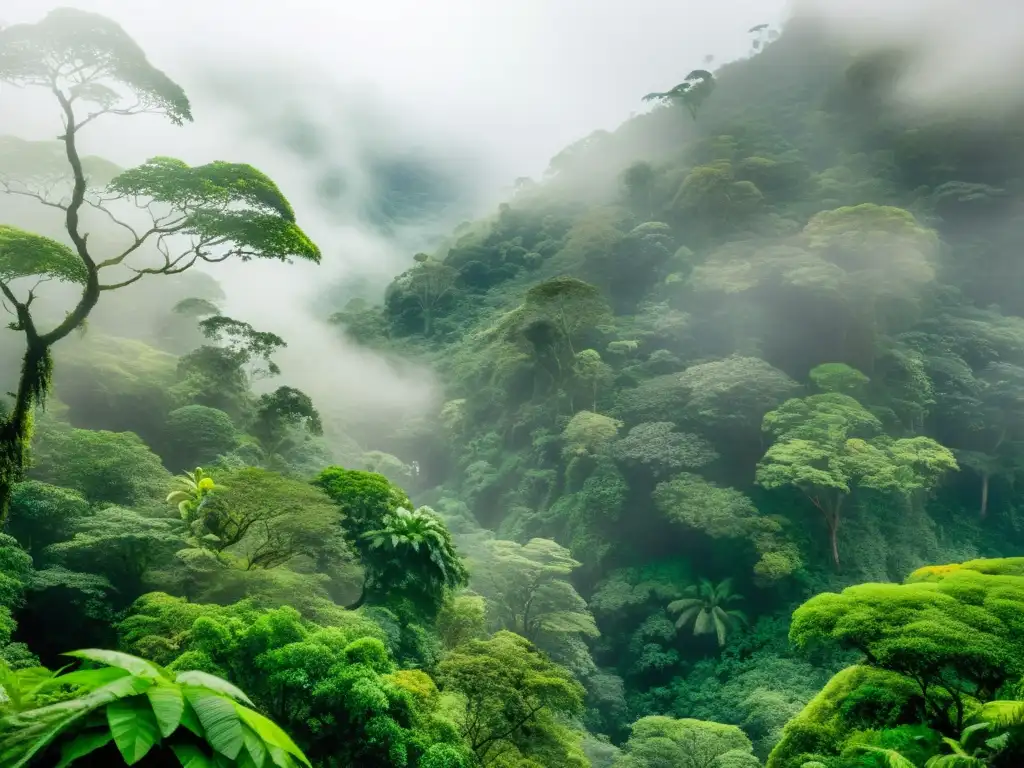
pixel 827 445
pixel 529 588
pixel 208 213
pixel 412 554
pixel 429 282
pixel 515 697
pixel 691 93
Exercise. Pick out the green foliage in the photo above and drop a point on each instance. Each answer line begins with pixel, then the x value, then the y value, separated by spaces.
pixel 68 41
pixel 197 434
pixel 116 384
pixel 953 632
pixel 511 701
pixel 405 554
pixel 651 363
pixel 839 378
pixel 826 445
pixel 412 553
pixel 335 688
pixel 706 607
pixel 130 706
pixel 111 467
pixel 222 203
pixel 528 588
pixel 364 498
pixel 43 514
pixel 855 697
pixel 121 545
pixel 663 741
pixel 588 433
pixel 726 513
pixel 656 449
pixel 259 519
pixel 691 93
pixel 25 254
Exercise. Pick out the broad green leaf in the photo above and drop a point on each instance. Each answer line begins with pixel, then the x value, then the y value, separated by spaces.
pixel 191 756
pixel 190 720
pixel 133 664
pixel 24 254
pixel 82 745
pixel 254 747
pixel 168 706
pixel 220 720
pixel 88 678
pixel 51 721
pixel 271 733
pixel 214 683
pixel 280 758
pixel 134 727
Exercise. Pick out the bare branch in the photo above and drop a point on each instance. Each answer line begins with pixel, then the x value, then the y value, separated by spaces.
pixel 42 197
pixel 175 265
pixel 99 206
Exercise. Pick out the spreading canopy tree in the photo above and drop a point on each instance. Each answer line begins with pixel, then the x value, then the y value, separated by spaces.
pixel 954 631
pixel 207 213
pixel 827 445
pixel 514 699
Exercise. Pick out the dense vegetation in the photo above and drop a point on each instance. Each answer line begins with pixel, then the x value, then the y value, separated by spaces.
pixel 721 391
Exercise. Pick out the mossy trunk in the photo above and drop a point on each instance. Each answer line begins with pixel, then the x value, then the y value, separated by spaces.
pixel 16 429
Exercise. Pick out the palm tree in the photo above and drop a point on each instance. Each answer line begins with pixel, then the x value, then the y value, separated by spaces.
pixel 706 607
pixel 129 709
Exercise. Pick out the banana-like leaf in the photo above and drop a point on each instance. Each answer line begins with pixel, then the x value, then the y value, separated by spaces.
pixel 168 706
pixel 220 720
pixel 203 680
pixel 271 733
pixel 133 664
pixel 134 727
pixel 191 756
pixel 82 745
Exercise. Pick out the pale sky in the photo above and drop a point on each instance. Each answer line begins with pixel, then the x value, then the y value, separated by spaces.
pixel 513 81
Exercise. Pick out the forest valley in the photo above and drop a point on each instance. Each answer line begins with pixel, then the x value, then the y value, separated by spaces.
pixel 724 475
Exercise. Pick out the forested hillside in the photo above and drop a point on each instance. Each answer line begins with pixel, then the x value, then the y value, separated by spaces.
pixel 723 476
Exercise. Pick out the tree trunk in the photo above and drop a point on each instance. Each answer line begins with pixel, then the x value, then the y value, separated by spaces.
pixel 428 322
pixel 833 537
pixel 984 494
pixel 359 602
pixel 16 429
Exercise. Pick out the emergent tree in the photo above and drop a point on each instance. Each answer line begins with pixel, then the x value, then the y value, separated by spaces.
pixel 207 213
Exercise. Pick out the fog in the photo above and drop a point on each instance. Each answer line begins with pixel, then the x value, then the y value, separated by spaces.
pixel 966 54
pixel 481 92
pixel 477 93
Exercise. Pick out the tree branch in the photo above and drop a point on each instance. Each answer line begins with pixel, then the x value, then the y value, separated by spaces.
pixel 91 293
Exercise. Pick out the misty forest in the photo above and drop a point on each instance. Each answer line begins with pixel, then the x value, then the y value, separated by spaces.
pixel 716 462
